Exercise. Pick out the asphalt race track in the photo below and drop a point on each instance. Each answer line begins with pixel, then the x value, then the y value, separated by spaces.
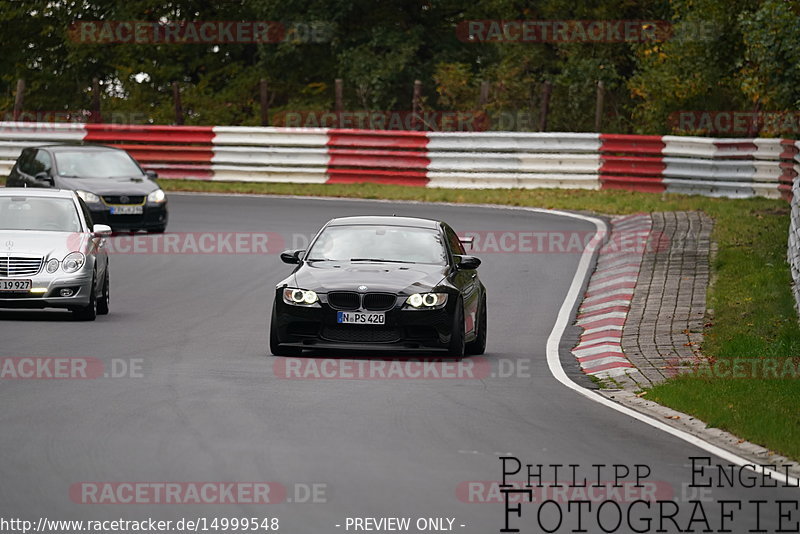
pixel 206 402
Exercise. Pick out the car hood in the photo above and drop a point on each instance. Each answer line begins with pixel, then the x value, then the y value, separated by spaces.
pixel 109 186
pixel 404 278
pixel 47 244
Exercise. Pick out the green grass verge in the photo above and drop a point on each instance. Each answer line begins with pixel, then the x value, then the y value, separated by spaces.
pixel 754 315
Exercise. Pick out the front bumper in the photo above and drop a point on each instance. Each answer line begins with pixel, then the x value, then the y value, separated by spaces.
pixel 153 217
pixel 405 329
pixel 80 283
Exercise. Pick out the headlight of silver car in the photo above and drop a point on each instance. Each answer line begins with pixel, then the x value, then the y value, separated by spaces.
pixel 157 197
pixel 52 266
pixel 89 198
pixel 299 297
pixel 427 300
pixel 73 262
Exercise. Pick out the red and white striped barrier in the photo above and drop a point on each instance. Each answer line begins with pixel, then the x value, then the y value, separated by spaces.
pixel 513 160
pixel 672 164
pixel 250 154
pixel 377 156
pixel 173 152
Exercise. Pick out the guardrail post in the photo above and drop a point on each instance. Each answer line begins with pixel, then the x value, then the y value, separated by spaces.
pixel 176 96
pixel 263 87
pixel 598 109
pixel 19 98
pixel 416 104
pixel 338 89
pixel 484 97
pixel 95 111
pixel 544 106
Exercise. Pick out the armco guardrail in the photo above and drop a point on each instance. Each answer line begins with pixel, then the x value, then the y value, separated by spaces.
pixel 794 241
pixel 248 154
pixel 672 164
pixel 377 156
pixel 173 152
pixel 507 159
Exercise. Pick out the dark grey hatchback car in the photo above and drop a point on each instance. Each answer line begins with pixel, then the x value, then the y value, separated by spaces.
pixel 117 191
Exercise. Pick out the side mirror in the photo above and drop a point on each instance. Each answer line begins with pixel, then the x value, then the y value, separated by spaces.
pixel 292 256
pixel 467 263
pixel 44 177
pixel 101 230
pixel 151 174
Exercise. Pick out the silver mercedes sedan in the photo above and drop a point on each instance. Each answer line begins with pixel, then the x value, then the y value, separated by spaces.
pixel 51 255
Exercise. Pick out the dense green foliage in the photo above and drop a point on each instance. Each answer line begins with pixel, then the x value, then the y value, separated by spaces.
pixel 721 55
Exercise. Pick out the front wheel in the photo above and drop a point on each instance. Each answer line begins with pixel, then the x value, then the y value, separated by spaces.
pixel 478 346
pixel 105 296
pixel 274 343
pixel 456 348
pixel 88 312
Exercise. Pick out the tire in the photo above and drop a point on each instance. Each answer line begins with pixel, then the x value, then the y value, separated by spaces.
pixel 88 312
pixel 105 296
pixel 478 346
pixel 157 230
pixel 456 347
pixel 274 343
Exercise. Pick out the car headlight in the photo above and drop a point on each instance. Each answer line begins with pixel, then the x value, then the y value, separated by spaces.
pixel 427 300
pixel 52 266
pixel 89 198
pixel 157 197
pixel 299 297
pixel 73 262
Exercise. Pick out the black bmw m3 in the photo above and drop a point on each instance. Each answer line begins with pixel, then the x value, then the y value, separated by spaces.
pixel 381 283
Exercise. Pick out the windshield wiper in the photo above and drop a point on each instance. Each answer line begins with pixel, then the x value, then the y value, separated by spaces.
pixel 381 260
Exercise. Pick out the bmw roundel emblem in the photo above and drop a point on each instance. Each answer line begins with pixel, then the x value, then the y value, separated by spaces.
pixel 362 288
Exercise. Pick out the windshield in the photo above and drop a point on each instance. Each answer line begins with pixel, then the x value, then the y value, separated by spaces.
pixel 378 243
pixel 43 214
pixel 99 164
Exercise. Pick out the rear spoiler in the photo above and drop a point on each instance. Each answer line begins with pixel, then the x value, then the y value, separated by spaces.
pixel 467 241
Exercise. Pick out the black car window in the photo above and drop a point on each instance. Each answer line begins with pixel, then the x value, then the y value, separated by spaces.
pixel 378 243
pixel 96 164
pixel 456 247
pixel 25 161
pixel 42 162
